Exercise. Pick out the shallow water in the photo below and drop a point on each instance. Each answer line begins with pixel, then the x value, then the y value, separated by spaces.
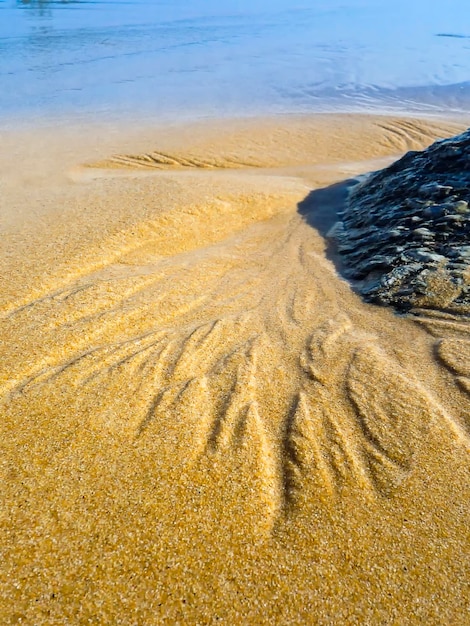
pixel 180 59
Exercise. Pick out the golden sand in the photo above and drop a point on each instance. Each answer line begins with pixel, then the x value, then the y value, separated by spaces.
pixel 201 422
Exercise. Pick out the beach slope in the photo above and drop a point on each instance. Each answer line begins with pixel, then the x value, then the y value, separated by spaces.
pixel 201 421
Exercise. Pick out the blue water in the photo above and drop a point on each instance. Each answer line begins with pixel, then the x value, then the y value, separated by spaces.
pixel 195 58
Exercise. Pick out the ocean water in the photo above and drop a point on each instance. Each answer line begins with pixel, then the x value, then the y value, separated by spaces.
pixel 196 58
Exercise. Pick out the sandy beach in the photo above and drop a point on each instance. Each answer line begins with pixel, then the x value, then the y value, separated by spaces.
pixel 201 421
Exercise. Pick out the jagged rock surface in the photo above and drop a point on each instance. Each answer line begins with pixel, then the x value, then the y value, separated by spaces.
pixel 405 233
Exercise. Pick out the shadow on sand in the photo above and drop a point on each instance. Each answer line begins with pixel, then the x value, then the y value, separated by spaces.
pixel 321 209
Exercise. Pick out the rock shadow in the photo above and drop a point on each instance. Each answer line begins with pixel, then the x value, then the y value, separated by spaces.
pixel 321 209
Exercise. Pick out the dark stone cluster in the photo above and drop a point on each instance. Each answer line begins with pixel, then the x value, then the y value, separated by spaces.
pixel 404 235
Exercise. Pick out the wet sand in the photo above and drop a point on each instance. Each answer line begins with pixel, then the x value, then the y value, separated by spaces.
pixel 201 421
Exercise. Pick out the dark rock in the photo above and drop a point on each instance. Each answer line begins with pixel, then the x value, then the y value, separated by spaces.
pixel 422 233
pixel 461 206
pixel 420 202
pixel 425 256
pixel 455 217
pixel 434 211
pixel 434 190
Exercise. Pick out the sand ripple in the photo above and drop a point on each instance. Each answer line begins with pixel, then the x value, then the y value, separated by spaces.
pixel 203 410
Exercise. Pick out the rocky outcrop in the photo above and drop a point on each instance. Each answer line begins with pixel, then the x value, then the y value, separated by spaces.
pixel 404 236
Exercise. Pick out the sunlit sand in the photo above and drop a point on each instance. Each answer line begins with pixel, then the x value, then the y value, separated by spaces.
pixel 201 422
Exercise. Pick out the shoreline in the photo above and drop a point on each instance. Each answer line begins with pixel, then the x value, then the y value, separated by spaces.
pixel 151 121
